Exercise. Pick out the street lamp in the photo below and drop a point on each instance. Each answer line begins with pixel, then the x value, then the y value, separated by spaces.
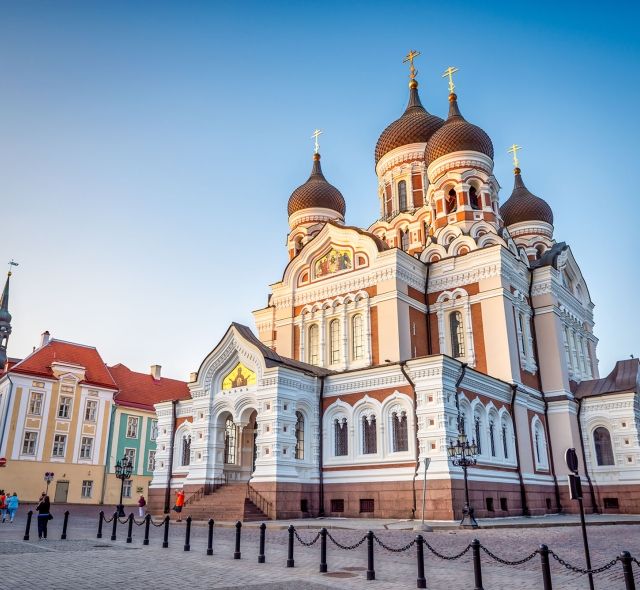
pixel 123 471
pixel 48 477
pixel 463 453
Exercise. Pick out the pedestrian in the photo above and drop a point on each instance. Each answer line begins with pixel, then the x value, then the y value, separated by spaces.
pixel 3 505
pixel 141 504
pixel 179 504
pixel 12 506
pixel 44 516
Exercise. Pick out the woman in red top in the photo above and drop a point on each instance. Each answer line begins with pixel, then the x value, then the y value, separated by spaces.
pixel 179 504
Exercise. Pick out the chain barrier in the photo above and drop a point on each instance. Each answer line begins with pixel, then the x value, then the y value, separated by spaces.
pixel 447 557
pixel 394 549
pixel 506 561
pixel 579 570
pixel 634 560
pixel 307 544
pixel 348 548
pixel 125 521
pixel 107 520
pixel 160 524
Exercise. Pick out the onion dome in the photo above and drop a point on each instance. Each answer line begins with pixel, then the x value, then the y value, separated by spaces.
pixel 316 193
pixel 523 205
pixel 457 135
pixel 416 125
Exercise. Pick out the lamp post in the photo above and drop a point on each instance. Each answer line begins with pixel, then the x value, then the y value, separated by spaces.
pixel 463 453
pixel 48 477
pixel 123 471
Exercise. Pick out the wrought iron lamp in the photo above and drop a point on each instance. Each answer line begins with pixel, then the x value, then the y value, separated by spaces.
pixel 48 477
pixel 124 469
pixel 463 453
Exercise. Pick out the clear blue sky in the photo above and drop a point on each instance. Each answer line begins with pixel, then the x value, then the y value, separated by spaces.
pixel 148 149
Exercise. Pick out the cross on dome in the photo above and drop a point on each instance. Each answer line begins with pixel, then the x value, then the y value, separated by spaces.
pixel 448 73
pixel 409 59
pixel 514 150
pixel 317 133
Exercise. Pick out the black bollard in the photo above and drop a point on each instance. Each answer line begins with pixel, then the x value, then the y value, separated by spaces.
pixel 65 522
pixel 627 569
pixel 263 530
pixel 115 525
pixel 187 535
pixel 28 527
pixel 130 529
pixel 546 569
pixel 421 582
pixel 477 566
pixel 323 550
pixel 147 522
pixel 210 538
pixel 100 519
pixel 165 540
pixel 236 553
pixel 371 572
pixel 290 561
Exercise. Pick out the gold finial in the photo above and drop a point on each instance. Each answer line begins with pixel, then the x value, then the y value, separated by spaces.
pixel 409 59
pixel 12 262
pixel 514 149
pixel 448 73
pixel 315 136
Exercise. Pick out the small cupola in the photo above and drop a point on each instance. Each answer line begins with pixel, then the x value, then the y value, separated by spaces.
pixel 523 207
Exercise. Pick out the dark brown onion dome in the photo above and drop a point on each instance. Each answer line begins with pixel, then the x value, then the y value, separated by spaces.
pixel 457 135
pixel 523 205
pixel 416 125
pixel 316 192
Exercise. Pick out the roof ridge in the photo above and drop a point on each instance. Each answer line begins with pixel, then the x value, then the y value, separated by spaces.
pixel 52 340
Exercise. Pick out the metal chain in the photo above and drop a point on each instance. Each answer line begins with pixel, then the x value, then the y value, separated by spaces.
pixel 447 557
pixel 348 548
pixel 635 561
pixel 161 523
pixel 138 523
pixel 125 521
pixel 506 561
pixel 107 520
pixel 394 549
pixel 579 570
pixel 309 544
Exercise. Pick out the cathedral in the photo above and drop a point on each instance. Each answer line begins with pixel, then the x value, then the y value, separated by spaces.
pixel 456 312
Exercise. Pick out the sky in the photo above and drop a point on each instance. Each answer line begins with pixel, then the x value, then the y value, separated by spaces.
pixel 148 149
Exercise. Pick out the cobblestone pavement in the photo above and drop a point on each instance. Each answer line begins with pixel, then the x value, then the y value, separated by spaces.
pixel 83 561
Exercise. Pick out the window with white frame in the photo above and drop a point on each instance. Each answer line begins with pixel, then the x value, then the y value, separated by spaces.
pixel 341 437
pixel 369 435
pixel 404 239
pixel 402 195
pixel 505 441
pixel 357 337
pixel 521 336
pixel 603 446
pixel 86 447
pixel 87 488
pixel 130 455
pixel 91 410
pixel 126 488
pixel 229 442
pixel 186 450
pixel 35 403
pixel 154 430
pixel 299 436
pixel 314 345
pixel 478 433
pixel 64 407
pixel 492 437
pixel 29 443
pixel 59 445
pixel 399 431
pixel 456 332
pixel 151 460
pixel 539 445
pixel 132 426
pixel 334 341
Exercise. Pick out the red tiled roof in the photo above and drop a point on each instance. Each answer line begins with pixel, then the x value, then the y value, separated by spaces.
pixel 624 377
pixel 141 390
pixel 39 362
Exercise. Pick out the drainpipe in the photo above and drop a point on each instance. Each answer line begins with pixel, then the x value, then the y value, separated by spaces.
pixel 534 336
pixel 592 492
pixel 321 446
pixel 428 315
pixel 108 457
pixel 6 416
pixel 523 491
pixel 167 492
pixel 415 427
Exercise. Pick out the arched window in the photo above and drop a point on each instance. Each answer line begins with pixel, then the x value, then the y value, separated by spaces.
pixel 492 438
pixel 314 345
pixel 357 337
pixel 299 435
pixel 229 442
pixel 334 341
pixel 369 439
pixel 451 201
pixel 341 437
pixel 402 195
pixel 474 200
pixel 478 437
pixel 457 334
pixel 186 449
pixel 540 445
pixel 404 239
pixel 602 443
pixel 505 443
pixel 521 334
pixel 400 434
pixel 298 245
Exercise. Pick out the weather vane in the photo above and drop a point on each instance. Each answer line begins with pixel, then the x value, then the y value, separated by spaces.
pixel 12 262
pixel 448 73
pixel 315 136
pixel 409 58
pixel 514 150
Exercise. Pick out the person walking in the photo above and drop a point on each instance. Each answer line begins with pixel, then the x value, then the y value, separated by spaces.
pixel 179 504
pixel 141 504
pixel 3 505
pixel 44 516
pixel 12 506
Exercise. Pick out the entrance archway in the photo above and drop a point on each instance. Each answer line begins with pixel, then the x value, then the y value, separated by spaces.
pixel 239 448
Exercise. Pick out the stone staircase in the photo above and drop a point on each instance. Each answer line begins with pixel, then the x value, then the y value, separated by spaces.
pixel 227 503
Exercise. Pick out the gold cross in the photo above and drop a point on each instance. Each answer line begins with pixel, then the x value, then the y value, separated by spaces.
pixel 315 136
pixel 12 262
pixel 409 58
pixel 514 150
pixel 448 73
